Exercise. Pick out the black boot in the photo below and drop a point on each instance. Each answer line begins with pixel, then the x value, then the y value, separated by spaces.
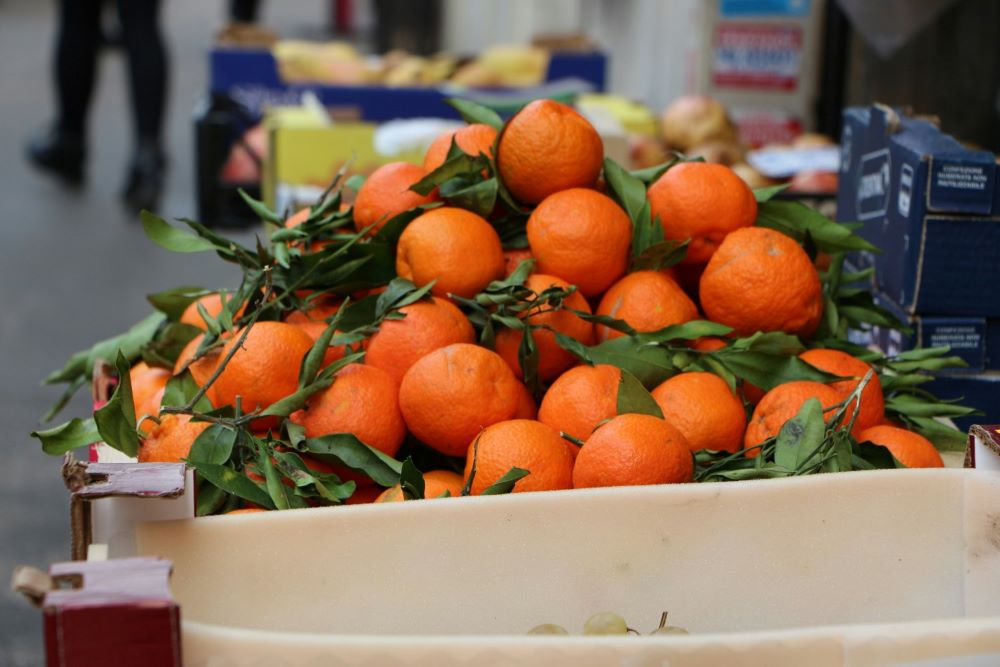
pixel 145 178
pixel 60 155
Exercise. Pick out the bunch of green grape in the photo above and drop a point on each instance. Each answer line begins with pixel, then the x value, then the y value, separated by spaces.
pixel 608 623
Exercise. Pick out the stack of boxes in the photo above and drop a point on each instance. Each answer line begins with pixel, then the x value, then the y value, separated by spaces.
pixel 933 206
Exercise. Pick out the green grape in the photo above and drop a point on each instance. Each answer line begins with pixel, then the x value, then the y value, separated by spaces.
pixel 665 629
pixel 605 623
pixel 548 629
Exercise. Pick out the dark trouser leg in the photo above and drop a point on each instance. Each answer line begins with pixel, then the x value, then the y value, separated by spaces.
pixel 147 60
pixel 76 62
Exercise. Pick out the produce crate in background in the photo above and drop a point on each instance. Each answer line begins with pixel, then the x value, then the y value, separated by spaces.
pixel 244 82
pixel 251 78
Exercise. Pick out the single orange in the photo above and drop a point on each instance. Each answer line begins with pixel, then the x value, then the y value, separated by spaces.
pixel 704 409
pixel 472 140
pixel 547 147
pixel 761 280
pixel 646 300
pixel 313 321
pixel 362 400
pixel 580 399
pixel 426 326
pixel 911 449
pixel 386 193
pixel 781 404
pixel 436 483
pixel 264 370
pixel 520 443
pixel 453 393
pixel 701 203
pixel 171 439
pixel 633 449
pixel 840 363
pixel 456 248
pixel 247 510
pixel 552 359
pixel 147 384
pixel 582 237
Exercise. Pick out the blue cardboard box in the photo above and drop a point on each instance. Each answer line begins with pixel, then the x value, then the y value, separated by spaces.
pixel 975 339
pixel 250 76
pixel 977 390
pixel 932 206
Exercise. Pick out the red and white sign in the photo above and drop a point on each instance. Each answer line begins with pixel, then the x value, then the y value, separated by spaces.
pixel 765 57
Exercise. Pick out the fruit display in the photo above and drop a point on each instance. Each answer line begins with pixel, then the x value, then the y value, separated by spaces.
pixel 517 314
pixel 339 63
pixel 700 127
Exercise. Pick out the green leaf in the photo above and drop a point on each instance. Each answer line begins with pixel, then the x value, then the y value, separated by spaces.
pixel 527 357
pixel 626 189
pixel 652 174
pixel 209 498
pixel 398 294
pixel 928 364
pixel 298 399
pixel 67 437
pixel 355 182
pixel 946 438
pixel 921 353
pixel 915 406
pixel 772 342
pixel 796 220
pixel 480 198
pixel 661 255
pixel 167 346
pixel 235 483
pixel 164 235
pixel 262 211
pixel 411 481
pixel 346 449
pixel 182 388
pixel 272 480
pixel 651 364
pixel 686 331
pixel 473 112
pixel 767 371
pixel 116 420
pixel 461 165
pixel 391 231
pixel 766 194
pixel 213 445
pixel 506 482
pixel 313 360
pixel 129 343
pixel 800 436
pixel 873 456
pixel 633 397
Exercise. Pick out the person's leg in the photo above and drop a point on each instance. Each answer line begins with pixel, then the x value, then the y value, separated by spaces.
pixel 147 60
pixel 61 151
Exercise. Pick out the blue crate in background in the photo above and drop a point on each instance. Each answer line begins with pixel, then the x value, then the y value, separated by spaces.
pixel 932 206
pixel 250 77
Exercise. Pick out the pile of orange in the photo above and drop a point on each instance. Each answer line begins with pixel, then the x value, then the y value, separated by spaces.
pixel 427 377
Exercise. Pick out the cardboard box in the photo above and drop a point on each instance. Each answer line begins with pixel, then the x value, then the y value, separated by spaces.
pixel 930 204
pixel 250 76
pixel 975 339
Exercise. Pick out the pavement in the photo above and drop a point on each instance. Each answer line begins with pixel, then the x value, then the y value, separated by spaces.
pixel 75 266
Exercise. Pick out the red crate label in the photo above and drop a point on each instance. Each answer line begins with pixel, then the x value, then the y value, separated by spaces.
pixel 760 128
pixel 757 56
